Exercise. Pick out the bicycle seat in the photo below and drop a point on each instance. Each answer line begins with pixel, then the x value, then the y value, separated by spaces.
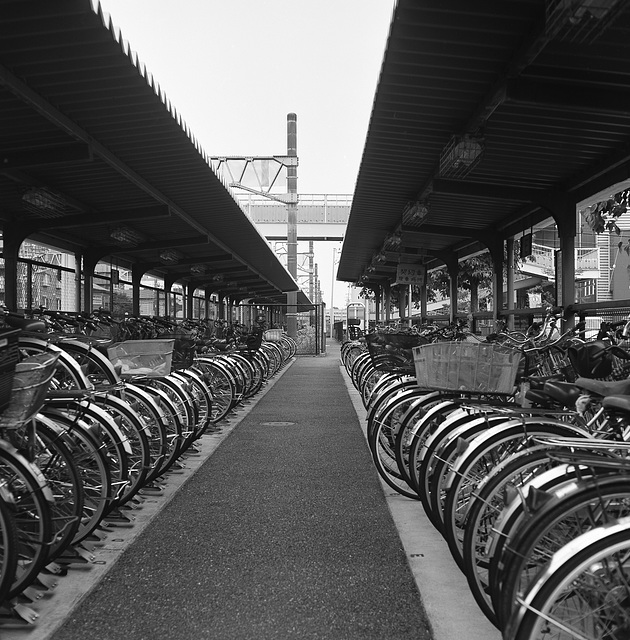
pixel 565 393
pixel 619 403
pixel 26 324
pixel 604 388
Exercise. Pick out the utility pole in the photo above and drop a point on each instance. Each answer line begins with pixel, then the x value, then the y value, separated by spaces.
pixel 292 223
pixel 332 293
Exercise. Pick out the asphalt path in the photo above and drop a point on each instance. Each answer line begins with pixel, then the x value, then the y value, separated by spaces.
pixel 279 528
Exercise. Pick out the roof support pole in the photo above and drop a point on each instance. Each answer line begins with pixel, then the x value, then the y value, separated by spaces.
pixel 190 289
pixel 565 278
pixel 78 259
pixel 206 303
pixel 137 271
pixel 496 253
pixel 388 301
pixel 169 281
pixel 510 282
pixel 13 235
pixel 377 306
pixel 423 300
pixel 452 266
pixel 90 260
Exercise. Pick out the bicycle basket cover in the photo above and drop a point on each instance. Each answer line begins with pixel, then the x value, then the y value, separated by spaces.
pixel 591 360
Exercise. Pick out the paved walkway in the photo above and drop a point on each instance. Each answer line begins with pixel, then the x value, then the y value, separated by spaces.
pixel 284 532
pixel 280 528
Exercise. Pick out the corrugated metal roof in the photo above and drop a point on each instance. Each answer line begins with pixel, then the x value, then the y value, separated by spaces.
pixel 543 85
pixel 89 134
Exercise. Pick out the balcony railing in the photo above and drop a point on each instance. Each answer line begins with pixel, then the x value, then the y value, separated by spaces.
pixel 542 261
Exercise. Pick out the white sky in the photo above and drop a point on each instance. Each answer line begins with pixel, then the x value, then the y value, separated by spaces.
pixel 234 69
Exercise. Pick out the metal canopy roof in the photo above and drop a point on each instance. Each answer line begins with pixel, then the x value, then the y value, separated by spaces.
pixel 91 148
pixel 541 87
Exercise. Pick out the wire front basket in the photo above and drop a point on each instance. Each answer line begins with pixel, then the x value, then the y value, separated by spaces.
pixel 150 358
pixel 30 384
pixel 467 367
pixel 393 352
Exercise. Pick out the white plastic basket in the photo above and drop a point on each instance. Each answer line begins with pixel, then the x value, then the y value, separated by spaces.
pixel 273 335
pixel 469 367
pixel 147 358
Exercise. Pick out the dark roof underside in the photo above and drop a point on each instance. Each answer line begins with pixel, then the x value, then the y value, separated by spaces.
pixel 543 86
pixel 90 143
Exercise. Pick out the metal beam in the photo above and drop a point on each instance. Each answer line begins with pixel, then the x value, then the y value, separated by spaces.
pixel 486 190
pixel 442 230
pixel 99 218
pixel 568 97
pixel 44 155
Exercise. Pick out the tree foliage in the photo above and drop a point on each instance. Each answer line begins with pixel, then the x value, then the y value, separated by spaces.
pixel 602 216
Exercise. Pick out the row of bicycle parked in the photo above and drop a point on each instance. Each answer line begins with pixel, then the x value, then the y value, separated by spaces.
pixel 88 429
pixel 530 488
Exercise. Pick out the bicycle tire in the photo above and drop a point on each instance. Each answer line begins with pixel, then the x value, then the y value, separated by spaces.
pixel 8 544
pixel 31 514
pixel 482 455
pixel 558 522
pixel 591 574
pixel 485 507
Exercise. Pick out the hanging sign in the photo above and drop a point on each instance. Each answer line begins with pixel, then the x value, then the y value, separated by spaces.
pixel 410 274
pixel 526 246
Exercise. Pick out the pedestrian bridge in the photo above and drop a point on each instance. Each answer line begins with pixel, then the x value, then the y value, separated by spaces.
pixel 319 217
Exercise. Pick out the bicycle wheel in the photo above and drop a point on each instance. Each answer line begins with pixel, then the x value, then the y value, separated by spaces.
pixel 174 430
pixel 486 504
pixel 182 402
pixel 424 428
pixel 571 512
pixel 442 450
pixel 409 427
pixel 583 592
pixel 8 543
pixel 91 460
pixel 483 454
pixel 114 443
pixel 68 373
pixel 221 385
pixel 529 496
pixel 201 395
pixel 32 515
pixel 381 440
pixel 155 423
pixel 136 435
pixel 57 465
pixel 96 367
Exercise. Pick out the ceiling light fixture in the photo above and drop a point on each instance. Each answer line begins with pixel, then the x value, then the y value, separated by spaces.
pixel 460 156
pixel 416 212
pixel 580 20
pixel 393 241
pixel 126 235
pixel 44 203
pixel 170 257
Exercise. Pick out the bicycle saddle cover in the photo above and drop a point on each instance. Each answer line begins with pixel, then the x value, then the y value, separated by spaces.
pixel 591 359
